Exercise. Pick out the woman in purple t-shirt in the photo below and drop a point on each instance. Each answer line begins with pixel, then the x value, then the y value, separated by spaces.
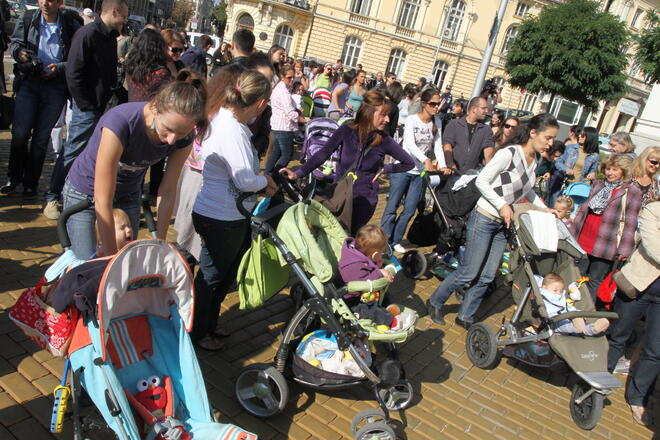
pixel 126 141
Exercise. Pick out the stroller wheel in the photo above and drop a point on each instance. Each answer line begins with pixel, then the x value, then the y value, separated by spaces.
pixel 367 417
pixel 588 412
pixel 262 390
pixel 396 397
pixel 414 264
pixel 481 344
pixel 377 430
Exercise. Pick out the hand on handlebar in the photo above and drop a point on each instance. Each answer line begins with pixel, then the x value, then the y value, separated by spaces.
pixel 507 214
pixel 291 175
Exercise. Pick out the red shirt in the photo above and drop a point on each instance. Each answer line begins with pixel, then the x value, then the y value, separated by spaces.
pixel 590 229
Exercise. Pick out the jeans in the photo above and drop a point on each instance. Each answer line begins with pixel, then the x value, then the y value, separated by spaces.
pixel 596 269
pixel 282 151
pixel 82 225
pixel 224 243
pixel 645 371
pixel 401 184
pixel 37 109
pixel 484 246
pixel 79 131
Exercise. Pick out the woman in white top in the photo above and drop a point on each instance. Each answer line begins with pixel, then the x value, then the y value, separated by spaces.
pixel 423 142
pixel 231 166
pixel 506 179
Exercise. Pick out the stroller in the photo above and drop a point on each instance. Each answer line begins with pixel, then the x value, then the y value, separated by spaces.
pixel 130 350
pixel 317 134
pixel 309 239
pixel 585 355
pixel 579 192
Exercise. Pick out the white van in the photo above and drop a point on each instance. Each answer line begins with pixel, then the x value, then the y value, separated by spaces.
pixel 195 36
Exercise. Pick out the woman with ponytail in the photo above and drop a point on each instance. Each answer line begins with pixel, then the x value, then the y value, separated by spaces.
pixel 231 166
pixel 126 141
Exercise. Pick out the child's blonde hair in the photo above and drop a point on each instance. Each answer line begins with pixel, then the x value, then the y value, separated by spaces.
pixel 116 213
pixel 551 278
pixel 565 200
pixel 370 239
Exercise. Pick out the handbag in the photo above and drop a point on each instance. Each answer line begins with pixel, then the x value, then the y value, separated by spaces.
pixel 338 197
pixel 40 322
pixel 607 288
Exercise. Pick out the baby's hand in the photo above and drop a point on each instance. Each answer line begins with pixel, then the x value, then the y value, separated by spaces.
pixel 386 273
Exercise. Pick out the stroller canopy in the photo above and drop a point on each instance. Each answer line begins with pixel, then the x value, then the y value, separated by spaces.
pixel 147 276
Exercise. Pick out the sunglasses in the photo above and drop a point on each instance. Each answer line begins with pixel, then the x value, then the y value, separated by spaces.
pixel 433 104
pixel 510 126
pixel 288 77
pixel 655 163
pixel 176 49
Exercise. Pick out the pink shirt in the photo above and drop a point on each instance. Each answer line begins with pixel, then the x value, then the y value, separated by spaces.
pixel 285 115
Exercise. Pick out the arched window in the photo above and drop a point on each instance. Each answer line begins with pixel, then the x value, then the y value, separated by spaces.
pixel 511 33
pixel 396 62
pixel 454 20
pixel 360 7
pixel 245 21
pixel 440 70
pixel 350 55
pixel 408 14
pixel 283 36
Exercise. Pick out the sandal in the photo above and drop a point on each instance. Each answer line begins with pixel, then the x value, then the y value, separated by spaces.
pixel 210 343
pixel 639 414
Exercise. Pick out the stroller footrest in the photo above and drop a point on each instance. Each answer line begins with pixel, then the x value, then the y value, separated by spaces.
pixel 600 380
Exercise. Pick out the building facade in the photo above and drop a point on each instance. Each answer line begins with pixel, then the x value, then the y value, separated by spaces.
pixel 442 40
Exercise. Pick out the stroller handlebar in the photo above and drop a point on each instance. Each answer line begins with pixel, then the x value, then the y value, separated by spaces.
pixel 62 233
pixel 239 203
pixel 366 286
pixel 584 314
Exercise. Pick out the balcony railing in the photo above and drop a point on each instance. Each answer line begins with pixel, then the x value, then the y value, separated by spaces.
pixel 357 18
pixel 405 32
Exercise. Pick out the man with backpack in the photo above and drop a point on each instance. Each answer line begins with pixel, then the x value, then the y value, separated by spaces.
pixel 40 46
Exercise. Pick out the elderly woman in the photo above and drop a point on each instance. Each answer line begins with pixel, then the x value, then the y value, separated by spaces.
pixel 605 224
pixel 620 143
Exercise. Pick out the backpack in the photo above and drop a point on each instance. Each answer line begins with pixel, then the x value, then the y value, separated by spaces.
pixel 317 134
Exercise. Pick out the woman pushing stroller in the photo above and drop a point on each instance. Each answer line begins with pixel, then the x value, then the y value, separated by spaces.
pixel 505 180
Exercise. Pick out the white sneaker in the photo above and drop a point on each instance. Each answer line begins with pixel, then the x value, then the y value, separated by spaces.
pixel 622 366
pixel 400 249
pixel 52 210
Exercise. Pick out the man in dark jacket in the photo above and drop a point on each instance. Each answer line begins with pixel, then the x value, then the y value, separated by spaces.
pixel 40 46
pixel 195 57
pixel 91 75
pixel 467 142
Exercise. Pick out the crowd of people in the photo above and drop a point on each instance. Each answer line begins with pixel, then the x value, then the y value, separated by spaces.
pixel 203 136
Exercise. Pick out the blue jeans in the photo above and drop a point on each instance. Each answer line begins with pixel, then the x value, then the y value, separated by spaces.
pixel 401 184
pixel 79 131
pixel 484 246
pixel 224 243
pixel 282 151
pixel 37 109
pixel 82 225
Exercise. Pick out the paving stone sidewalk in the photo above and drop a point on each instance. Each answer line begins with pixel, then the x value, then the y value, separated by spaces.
pixel 454 399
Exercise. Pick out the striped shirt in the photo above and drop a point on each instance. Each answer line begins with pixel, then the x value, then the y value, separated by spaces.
pixel 285 115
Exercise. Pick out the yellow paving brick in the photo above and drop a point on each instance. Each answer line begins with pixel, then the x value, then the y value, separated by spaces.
pixel 317 429
pixel 46 385
pixel 9 348
pixel 29 367
pixel 10 411
pixel 18 387
pixel 55 366
pixel 29 429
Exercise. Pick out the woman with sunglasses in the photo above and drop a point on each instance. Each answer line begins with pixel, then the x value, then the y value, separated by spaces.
pixel 645 173
pixel 505 132
pixel 175 45
pixel 126 141
pixel 422 140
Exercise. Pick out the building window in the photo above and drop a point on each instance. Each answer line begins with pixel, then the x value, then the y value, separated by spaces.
pixel 454 20
pixel 636 17
pixel 511 33
pixel 396 62
pixel 408 14
pixel 440 70
pixel 246 21
pixel 350 56
pixel 360 7
pixel 522 9
pixel 283 37
pixel 624 10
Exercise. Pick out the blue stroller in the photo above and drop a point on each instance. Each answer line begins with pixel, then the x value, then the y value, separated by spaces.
pixel 579 192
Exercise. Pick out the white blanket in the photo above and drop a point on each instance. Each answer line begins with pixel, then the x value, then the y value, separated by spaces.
pixel 544 230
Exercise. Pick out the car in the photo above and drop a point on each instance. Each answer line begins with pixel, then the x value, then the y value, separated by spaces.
pixel 522 115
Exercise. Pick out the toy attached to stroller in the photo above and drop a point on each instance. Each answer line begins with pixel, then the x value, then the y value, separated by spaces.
pixel 309 241
pixel 585 355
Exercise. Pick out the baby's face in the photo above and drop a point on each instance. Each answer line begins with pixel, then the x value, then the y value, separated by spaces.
pixel 562 210
pixel 123 230
pixel 555 287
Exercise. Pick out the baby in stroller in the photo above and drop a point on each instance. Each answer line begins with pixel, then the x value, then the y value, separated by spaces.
pixel 362 259
pixel 555 301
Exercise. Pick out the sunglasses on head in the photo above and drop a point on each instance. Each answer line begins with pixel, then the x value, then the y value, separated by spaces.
pixel 176 49
pixel 655 163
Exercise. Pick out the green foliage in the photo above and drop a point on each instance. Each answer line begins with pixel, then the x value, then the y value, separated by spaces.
pixel 648 47
pixel 219 17
pixel 572 50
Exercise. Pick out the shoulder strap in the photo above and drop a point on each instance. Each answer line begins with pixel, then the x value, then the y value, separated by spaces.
pixel 356 164
pixel 622 219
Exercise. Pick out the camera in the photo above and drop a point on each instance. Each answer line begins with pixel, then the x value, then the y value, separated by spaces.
pixel 32 67
pixel 490 88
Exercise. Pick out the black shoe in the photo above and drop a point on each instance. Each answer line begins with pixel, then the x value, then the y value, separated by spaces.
pixel 435 313
pixel 8 188
pixel 465 324
pixel 29 193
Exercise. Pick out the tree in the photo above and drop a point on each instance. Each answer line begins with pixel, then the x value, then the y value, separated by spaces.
pixel 219 18
pixel 648 47
pixel 182 12
pixel 572 50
